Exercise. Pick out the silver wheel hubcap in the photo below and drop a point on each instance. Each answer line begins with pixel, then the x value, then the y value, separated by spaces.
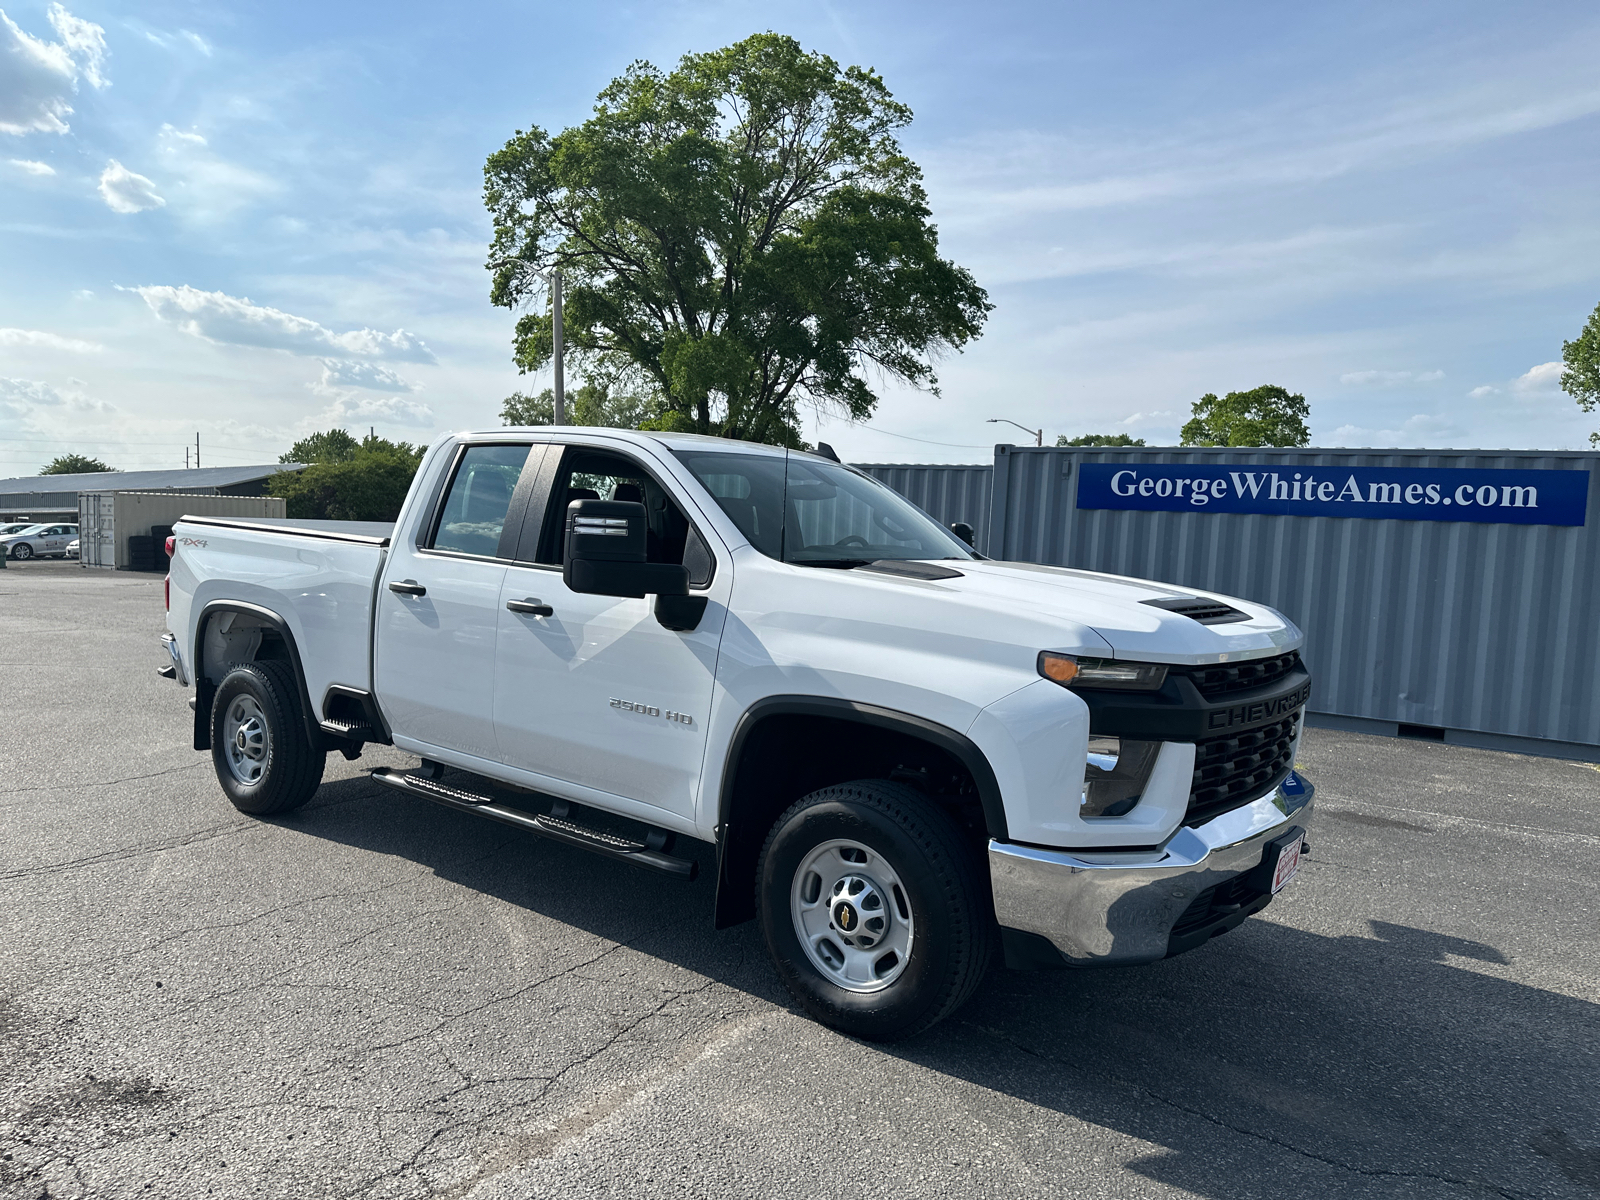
pixel 245 739
pixel 852 916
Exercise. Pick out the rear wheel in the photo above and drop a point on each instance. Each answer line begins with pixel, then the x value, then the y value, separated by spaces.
pixel 873 909
pixel 264 760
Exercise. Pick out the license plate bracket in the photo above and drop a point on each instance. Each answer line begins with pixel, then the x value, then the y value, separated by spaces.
pixel 1280 862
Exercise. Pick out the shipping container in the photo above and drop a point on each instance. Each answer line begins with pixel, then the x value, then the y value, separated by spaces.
pixel 1462 606
pixel 107 520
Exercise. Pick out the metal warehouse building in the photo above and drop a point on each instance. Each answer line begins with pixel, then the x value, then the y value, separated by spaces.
pixel 110 507
pixel 1446 594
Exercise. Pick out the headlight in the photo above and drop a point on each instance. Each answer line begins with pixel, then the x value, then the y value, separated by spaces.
pixel 1116 774
pixel 1101 672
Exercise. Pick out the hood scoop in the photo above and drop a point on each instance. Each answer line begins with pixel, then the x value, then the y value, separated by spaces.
pixel 910 568
pixel 1207 612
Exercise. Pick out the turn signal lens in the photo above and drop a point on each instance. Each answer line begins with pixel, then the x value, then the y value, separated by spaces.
pixel 1062 668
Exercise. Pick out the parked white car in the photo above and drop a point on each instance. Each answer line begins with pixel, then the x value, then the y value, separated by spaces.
pixel 72 548
pixel 909 758
pixel 16 527
pixel 39 541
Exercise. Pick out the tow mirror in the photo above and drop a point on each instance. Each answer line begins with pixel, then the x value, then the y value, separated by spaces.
pixel 963 531
pixel 605 553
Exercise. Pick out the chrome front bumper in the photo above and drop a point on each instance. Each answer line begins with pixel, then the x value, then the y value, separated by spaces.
pixel 1101 908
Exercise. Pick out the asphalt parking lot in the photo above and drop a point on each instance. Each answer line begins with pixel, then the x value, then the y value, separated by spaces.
pixel 378 997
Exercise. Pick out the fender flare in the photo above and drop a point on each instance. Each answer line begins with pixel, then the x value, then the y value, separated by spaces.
pixel 204 689
pixel 960 747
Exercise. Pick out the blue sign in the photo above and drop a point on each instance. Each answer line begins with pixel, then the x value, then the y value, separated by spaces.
pixel 1391 493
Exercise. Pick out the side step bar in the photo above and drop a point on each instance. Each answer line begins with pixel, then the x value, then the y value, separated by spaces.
pixel 650 853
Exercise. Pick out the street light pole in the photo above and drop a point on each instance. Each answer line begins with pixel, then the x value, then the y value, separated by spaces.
pixel 1038 434
pixel 560 389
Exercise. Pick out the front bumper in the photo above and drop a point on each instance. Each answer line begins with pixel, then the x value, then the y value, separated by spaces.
pixel 1119 908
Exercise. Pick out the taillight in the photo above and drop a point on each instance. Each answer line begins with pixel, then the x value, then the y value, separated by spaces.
pixel 172 546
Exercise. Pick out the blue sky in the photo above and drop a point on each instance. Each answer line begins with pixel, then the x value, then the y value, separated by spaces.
pixel 255 221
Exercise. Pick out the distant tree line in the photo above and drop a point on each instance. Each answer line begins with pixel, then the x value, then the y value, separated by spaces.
pixel 346 479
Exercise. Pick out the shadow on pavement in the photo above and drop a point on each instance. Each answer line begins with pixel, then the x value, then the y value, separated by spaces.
pixel 1391 1061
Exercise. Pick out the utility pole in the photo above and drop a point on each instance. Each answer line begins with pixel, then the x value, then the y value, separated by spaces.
pixel 560 389
pixel 197 450
pixel 186 458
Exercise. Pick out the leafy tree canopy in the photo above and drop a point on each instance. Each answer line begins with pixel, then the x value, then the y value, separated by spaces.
pixel 1265 416
pixel 347 480
pixel 74 464
pixel 736 236
pixel 592 404
pixel 1580 377
pixel 1099 439
pixel 333 445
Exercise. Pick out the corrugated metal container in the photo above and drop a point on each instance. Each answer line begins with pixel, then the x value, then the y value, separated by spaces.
pixel 106 520
pixel 946 493
pixel 1480 633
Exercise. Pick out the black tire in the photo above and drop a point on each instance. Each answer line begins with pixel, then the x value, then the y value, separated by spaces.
pixel 22 551
pixel 287 769
pixel 940 871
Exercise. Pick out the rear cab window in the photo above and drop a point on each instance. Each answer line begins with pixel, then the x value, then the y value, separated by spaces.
pixel 473 517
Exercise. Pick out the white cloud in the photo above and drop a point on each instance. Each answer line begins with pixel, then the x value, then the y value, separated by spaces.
pixel 18 395
pixel 337 373
pixel 1478 393
pixel 183 135
pixel 390 410
pixel 1546 377
pixel 232 321
pixel 1389 378
pixel 50 341
pixel 31 167
pixel 1421 429
pixel 38 78
pixel 126 191
pixel 208 187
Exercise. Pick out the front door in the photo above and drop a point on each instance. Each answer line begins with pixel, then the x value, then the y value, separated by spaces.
pixel 597 692
pixel 438 610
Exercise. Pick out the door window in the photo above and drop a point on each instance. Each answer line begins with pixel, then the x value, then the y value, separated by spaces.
pixel 473 515
pixel 600 475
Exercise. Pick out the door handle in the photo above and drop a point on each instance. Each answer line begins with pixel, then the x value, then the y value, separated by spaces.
pixel 533 607
pixel 407 587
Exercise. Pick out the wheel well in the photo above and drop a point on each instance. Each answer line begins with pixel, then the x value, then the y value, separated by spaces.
pixel 226 637
pixel 781 757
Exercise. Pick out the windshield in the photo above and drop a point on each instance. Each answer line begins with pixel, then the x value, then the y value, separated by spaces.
pixel 801 510
pixel 22 529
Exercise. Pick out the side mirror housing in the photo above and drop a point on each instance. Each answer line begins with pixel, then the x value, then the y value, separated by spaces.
pixel 963 531
pixel 605 553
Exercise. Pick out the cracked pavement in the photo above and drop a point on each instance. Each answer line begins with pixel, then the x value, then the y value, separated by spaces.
pixel 377 997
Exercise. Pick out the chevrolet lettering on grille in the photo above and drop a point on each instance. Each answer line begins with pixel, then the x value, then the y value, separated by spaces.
pixel 1261 710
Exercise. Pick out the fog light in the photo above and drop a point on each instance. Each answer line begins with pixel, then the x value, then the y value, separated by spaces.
pixel 1116 774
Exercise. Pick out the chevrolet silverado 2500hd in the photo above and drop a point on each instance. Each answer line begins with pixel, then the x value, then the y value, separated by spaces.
pixel 910 758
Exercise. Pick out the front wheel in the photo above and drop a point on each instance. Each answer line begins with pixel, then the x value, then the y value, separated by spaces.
pixel 22 551
pixel 874 909
pixel 264 760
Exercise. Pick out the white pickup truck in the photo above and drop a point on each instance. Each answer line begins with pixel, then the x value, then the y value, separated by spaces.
pixel 910 758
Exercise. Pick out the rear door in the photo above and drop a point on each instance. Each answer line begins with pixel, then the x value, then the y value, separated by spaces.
pixel 439 604
pixel 597 692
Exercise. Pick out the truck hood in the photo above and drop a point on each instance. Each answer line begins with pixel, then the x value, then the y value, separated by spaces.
pixel 1119 609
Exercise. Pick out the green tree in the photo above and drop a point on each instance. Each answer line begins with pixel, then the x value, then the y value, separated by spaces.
pixel 737 236
pixel 74 464
pixel 1099 439
pixel 1580 376
pixel 1265 416
pixel 333 445
pixel 592 404
pixel 366 483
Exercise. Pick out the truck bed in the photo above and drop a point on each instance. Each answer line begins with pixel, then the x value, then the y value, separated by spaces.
pixel 317 576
